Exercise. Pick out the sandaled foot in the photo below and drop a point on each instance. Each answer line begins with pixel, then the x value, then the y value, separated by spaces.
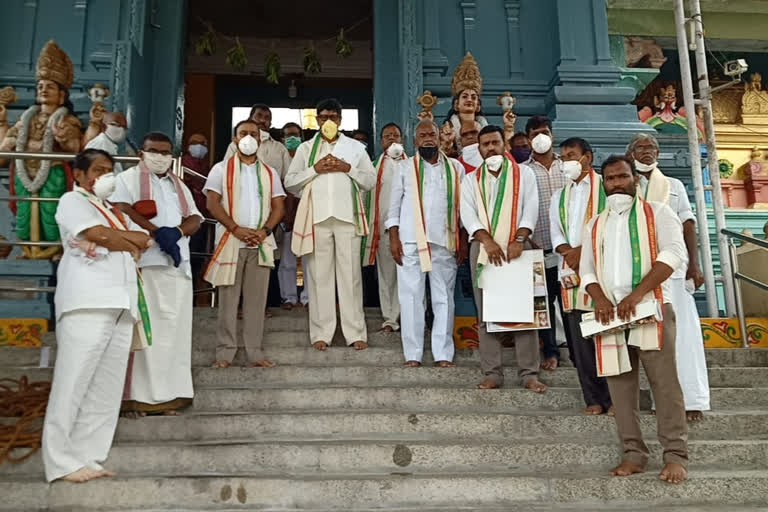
pixel 412 364
pixel 262 363
pixel 360 345
pixel 85 474
pixel 536 385
pixel 387 328
pixel 320 346
pixel 627 468
pixel 673 473
pixel 133 415
pixel 221 363
pixel 593 410
pixel 445 364
pixel 694 415
pixel 611 412
pixel 550 364
pixel 488 384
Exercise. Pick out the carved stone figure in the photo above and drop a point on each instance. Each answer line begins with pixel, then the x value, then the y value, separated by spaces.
pixel 466 87
pixel 667 117
pixel 639 50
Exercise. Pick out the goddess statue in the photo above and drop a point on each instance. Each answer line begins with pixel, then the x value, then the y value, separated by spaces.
pixel 466 87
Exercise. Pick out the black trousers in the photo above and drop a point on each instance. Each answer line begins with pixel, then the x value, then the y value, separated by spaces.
pixel 594 388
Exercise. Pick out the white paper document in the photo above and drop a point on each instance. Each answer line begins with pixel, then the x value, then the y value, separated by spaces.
pixel 508 290
pixel 646 309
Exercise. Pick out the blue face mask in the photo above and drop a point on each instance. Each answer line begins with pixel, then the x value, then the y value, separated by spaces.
pixel 521 154
pixel 198 150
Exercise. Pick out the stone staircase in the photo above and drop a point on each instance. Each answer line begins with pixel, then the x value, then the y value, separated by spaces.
pixel 347 430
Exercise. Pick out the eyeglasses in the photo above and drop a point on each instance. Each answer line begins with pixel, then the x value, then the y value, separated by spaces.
pixel 334 117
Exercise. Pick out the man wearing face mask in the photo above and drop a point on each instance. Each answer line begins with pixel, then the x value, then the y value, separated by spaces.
pixel 286 272
pixel 692 362
pixel 520 147
pixel 424 238
pixel 271 152
pixel 570 210
pixel 547 167
pixel 498 237
pixel 329 172
pixel 246 197
pixel 629 251
pixel 115 129
pixel 375 246
pixel 470 154
pixel 160 379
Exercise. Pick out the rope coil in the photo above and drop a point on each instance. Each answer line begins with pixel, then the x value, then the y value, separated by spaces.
pixel 26 401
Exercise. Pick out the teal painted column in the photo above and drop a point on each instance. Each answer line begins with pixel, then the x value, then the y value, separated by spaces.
pixel 586 100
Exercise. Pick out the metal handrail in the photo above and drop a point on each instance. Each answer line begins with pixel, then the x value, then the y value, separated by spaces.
pixel 34 155
pixel 738 277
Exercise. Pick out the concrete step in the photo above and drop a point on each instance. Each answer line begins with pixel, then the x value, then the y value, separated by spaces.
pixel 360 491
pixel 527 507
pixel 384 455
pixel 207 426
pixel 432 399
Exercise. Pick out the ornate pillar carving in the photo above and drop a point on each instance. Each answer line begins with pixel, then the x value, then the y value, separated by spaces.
pixel 435 62
pixel 468 11
pixel 514 41
pixel 28 23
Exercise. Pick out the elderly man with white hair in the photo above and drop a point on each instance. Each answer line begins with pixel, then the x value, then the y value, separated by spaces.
pixel 691 361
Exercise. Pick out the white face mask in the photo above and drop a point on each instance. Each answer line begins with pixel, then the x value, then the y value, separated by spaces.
pixel 494 162
pixel 541 143
pixel 198 150
pixel 115 133
pixel 572 169
pixel 156 162
pixel 104 186
pixel 264 135
pixel 395 150
pixel 620 202
pixel 641 167
pixel 248 145
pixel 471 155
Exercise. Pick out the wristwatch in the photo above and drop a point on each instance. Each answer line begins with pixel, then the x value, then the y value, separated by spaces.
pixel 520 239
pixel 267 230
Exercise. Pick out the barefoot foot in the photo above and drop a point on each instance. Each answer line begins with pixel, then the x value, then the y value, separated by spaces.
pixel 360 345
pixel 133 415
pixel 488 384
pixel 221 364
pixel 593 410
pixel 320 346
pixel 550 364
pixel 445 364
pixel 611 412
pixel 387 328
pixel 172 413
pixel 627 468
pixel 262 363
pixel 536 385
pixel 694 415
pixel 673 473
pixel 84 474
pixel 412 364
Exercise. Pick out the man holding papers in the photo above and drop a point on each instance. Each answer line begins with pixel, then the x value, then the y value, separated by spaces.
pixel 499 209
pixel 569 211
pixel 628 253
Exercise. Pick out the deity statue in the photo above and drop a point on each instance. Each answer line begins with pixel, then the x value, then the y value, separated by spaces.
pixel 507 103
pixel 667 117
pixel 466 87
pixel 48 126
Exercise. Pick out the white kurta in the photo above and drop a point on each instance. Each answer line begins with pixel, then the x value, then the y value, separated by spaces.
pixel 411 281
pixel 95 313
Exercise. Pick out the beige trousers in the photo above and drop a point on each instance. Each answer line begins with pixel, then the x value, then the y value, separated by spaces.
pixel 386 269
pixel 661 369
pixel 252 280
pixel 335 264
pixel 491 348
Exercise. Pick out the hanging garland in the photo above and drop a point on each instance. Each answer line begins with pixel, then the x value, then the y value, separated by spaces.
pixel 34 186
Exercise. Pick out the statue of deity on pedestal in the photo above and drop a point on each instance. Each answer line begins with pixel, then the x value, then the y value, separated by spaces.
pixel 47 126
pixel 466 87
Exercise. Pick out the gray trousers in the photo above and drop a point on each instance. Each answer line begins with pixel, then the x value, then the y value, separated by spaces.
pixel 594 388
pixel 661 369
pixel 252 280
pixel 491 348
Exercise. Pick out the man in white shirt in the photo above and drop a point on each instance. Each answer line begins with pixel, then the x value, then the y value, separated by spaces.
pixel 570 209
pixel 499 244
pixel 629 252
pixel 692 361
pixel 271 152
pixel 423 224
pixel 246 197
pixel 115 128
pixel 329 172
pixel 97 305
pixel 375 246
pixel 160 378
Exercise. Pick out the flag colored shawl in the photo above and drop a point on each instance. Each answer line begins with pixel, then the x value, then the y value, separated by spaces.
pixel 452 200
pixel 501 223
pixel 145 188
pixel 373 213
pixel 142 332
pixel 658 187
pixel 611 349
pixel 222 268
pixel 303 240
pixel 576 297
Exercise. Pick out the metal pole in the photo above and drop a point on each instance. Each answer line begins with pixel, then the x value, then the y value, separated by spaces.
pixel 693 147
pixel 705 94
pixel 739 301
pixel 37 155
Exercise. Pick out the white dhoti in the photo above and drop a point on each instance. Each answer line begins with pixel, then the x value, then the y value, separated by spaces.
pixel 411 285
pixel 335 264
pixel 689 353
pixel 286 273
pixel 387 275
pixel 163 371
pixel 83 408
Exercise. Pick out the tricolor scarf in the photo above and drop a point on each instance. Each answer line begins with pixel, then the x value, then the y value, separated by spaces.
pixel 452 185
pixel 142 331
pixel 576 297
pixel 505 207
pixel 303 239
pixel 222 269
pixel 370 243
pixel 657 188
pixel 145 188
pixel 611 349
